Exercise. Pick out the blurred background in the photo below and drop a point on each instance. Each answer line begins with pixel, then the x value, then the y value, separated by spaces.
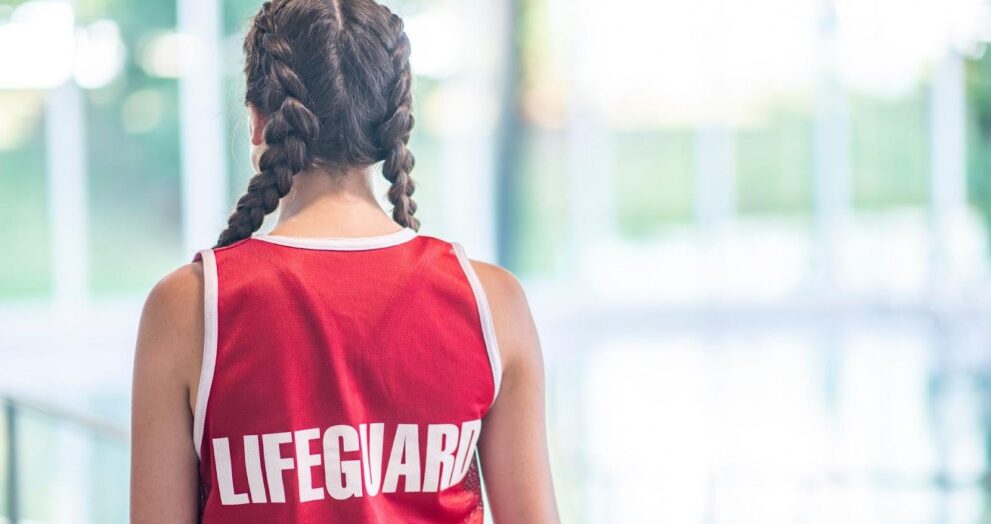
pixel 755 237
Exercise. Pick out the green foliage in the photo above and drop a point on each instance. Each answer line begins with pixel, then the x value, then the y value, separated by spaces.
pixel 541 202
pixel 890 149
pixel 654 178
pixel 133 173
pixel 774 162
pixel 979 135
pixel 26 265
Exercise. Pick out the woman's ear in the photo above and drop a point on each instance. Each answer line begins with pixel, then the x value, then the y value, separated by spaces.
pixel 257 122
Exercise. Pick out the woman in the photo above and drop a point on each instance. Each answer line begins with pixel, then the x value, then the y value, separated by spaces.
pixel 342 368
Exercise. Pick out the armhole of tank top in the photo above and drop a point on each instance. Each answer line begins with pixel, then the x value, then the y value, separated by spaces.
pixel 210 322
pixel 485 315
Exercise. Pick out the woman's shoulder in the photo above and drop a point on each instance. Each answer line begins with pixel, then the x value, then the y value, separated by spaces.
pixel 170 334
pixel 502 288
pixel 500 284
pixel 511 316
pixel 176 291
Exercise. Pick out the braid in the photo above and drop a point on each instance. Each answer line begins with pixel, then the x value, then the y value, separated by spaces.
pixel 395 130
pixel 333 80
pixel 291 129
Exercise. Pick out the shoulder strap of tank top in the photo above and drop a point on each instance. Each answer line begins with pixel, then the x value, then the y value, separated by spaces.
pixel 485 314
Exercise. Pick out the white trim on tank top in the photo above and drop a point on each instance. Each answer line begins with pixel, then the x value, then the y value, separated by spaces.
pixel 485 314
pixel 211 319
pixel 209 364
pixel 342 243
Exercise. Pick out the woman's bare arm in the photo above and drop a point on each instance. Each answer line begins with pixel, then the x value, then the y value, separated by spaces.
pixel 513 444
pixel 164 481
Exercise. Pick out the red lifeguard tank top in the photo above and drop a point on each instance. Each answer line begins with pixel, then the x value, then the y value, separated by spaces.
pixel 343 380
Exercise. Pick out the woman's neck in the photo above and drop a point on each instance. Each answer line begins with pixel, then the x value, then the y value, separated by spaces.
pixel 332 204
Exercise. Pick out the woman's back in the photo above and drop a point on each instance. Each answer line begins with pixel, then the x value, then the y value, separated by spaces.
pixel 344 370
pixel 343 380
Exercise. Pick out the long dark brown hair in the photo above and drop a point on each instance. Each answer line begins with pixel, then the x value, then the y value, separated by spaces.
pixel 333 79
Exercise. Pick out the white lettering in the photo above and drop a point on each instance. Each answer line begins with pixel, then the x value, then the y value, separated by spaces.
pixel 442 440
pixel 404 460
pixel 253 464
pixel 225 473
pixel 371 455
pixel 466 449
pixel 305 461
pixel 275 463
pixel 447 457
pixel 343 477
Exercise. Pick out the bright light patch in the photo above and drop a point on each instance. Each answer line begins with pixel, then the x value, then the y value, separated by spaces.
pixel 20 113
pixel 39 44
pixel 456 111
pixel 100 54
pixel 170 55
pixel 142 111
pixel 885 46
pixel 437 43
pixel 711 61
pixel 46 50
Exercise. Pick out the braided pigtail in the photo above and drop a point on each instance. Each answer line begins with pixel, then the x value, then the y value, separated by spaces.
pixel 333 80
pixel 291 129
pixel 395 131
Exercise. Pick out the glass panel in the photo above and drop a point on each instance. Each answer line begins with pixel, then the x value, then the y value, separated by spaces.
pixel 654 179
pixel 112 475
pixel 890 149
pixel 726 355
pixel 132 133
pixel 774 161
pixel 238 15
pixel 25 270
pixel 542 201
pixel 67 472
pixel 979 135
pixel 4 451
pixel 37 462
